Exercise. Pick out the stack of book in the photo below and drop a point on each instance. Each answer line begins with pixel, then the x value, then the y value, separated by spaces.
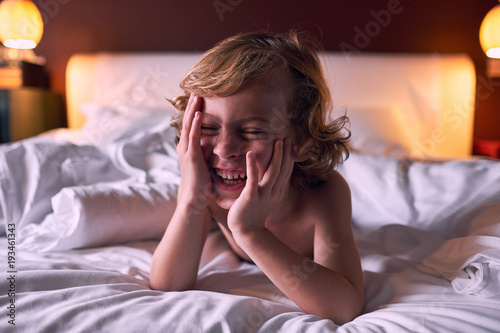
pixel 23 74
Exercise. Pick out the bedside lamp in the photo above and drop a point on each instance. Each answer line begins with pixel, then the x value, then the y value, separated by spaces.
pixel 21 28
pixel 21 24
pixel 489 36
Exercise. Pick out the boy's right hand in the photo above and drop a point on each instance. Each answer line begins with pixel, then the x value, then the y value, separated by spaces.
pixel 196 184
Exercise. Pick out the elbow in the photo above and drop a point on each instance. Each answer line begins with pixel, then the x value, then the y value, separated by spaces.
pixel 347 314
pixel 165 277
pixel 167 285
pixel 340 316
pixel 170 282
pixel 158 284
pixel 340 312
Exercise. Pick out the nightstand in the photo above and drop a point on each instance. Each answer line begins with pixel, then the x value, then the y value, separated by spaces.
pixel 28 111
pixel 490 148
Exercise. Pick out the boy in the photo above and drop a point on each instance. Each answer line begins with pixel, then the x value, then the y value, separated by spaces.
pixel 258 157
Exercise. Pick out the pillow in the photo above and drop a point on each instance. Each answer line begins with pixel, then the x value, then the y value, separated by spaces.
pixel 145 150
pixel 35 169
pixel 379 131
pixel 487 223
pixel 102 214
pixel 378 190
pixel 439 197
pixel 103 121
pixel 448 196
pixel 32 171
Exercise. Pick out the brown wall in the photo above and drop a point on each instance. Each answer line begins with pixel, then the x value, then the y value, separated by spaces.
pixel 363 25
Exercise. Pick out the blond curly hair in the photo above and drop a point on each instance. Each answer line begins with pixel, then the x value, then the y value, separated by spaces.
pixel 246 58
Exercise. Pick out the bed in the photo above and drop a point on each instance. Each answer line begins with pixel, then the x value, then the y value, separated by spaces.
pixel 82 208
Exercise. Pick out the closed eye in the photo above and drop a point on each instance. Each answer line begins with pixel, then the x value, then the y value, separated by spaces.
pixel 255 133
pixel 208 130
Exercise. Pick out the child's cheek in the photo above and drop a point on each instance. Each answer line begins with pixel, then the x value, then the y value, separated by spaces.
pixel 207 146
pixel 263 155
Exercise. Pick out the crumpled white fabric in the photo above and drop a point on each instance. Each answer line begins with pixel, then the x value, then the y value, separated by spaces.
pixel 102 214
pixel 51 188
pixel 32 171
pixel 471 263
pixel 477 280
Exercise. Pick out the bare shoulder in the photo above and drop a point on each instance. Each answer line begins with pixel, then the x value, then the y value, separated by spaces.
pixel 335 184
pixel 332 198
pixel 332 218
pixel 334 243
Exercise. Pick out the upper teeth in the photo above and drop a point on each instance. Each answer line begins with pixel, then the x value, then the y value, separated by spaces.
pixel 229 175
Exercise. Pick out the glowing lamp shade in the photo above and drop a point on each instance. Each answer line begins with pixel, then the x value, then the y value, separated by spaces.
pixel 21 25
pixel 489 33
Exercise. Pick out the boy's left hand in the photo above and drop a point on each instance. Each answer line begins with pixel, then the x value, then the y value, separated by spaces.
pixel 259 198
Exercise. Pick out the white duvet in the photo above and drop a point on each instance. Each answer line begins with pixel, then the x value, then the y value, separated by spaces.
pixel 87 220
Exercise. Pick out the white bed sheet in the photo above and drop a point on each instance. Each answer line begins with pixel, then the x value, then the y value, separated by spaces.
pixel 106 290
pixel 428 267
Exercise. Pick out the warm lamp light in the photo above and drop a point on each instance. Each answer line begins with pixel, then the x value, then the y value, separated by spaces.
pixel 21 24
pixel 489 33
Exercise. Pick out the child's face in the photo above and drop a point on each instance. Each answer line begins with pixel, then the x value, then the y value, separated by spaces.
pixel 249 120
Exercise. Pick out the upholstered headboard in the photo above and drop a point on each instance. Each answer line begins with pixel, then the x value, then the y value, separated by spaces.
pixel 400 104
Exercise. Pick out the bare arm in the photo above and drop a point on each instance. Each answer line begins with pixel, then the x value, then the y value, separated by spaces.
pixel 176 259
pixel 315 288
pixel 331 286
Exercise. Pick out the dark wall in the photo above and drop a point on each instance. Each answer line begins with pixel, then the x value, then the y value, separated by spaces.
pixel 349 25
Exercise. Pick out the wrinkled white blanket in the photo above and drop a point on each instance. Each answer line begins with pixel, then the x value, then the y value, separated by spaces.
pixel 87 219
pixel 62 196
pixel 105 289
pixel 451 211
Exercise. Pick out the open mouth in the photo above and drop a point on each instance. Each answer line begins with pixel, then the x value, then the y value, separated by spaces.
pixel 230 177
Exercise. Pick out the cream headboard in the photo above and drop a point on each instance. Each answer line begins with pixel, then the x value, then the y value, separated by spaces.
pixel 431 96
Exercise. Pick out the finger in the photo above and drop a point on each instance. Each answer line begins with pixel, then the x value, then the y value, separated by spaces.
pixel 195 133
pixel 187 120
pixel 189 113
pixel 196 105
pixel 274 167
pixel 252 183
pixel 286 165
